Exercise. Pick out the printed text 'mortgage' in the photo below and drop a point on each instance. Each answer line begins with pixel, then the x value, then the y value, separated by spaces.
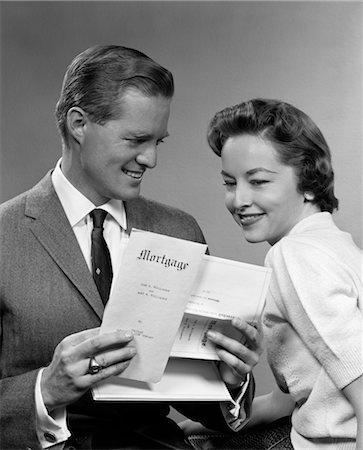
pixel 146 255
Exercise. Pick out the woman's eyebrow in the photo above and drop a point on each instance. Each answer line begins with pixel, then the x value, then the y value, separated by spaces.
pixel 259 169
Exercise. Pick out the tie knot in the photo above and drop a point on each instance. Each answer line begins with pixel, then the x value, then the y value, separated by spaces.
pixel 98 217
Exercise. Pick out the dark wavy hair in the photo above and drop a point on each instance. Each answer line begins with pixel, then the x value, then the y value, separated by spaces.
pixel 98 76
pixel 297 140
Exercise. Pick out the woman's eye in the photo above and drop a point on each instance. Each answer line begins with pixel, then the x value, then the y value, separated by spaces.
pixel 228 183
pixel 258 182
pixel 160 141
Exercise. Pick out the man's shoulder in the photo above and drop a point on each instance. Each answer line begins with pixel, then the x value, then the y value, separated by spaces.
pixel 160 218
pixel 12 207
pixel 156 207
pixel 16 206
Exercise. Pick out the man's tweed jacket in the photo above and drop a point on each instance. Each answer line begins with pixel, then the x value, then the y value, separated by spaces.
pixel 48 293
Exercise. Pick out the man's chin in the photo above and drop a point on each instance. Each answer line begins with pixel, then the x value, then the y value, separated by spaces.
pixel 127 194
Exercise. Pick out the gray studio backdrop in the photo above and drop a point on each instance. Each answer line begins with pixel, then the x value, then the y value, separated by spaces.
pixel 306 53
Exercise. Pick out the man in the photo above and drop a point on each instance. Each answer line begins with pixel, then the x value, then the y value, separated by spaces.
pixel 112 114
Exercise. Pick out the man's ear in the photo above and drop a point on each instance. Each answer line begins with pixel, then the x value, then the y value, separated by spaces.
pixel 76 121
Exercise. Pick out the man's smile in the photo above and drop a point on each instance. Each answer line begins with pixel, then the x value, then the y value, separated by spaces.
pixel 137 175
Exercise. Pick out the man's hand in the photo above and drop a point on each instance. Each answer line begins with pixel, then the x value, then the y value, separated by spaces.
pixel 237 358
pixel 66 379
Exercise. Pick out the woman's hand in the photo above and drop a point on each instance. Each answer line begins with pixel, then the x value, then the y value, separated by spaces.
pixel 239 354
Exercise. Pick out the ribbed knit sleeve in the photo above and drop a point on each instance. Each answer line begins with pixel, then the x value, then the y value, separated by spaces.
pixel 319 292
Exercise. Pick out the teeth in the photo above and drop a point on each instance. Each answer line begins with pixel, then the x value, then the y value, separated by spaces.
pixel 250 218
pixel 136 175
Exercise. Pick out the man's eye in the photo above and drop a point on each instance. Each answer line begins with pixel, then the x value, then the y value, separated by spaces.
pixel 160 141
pixel 135 141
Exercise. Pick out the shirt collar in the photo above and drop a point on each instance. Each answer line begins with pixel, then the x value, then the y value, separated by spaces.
pixel 76 206
pixel 316 221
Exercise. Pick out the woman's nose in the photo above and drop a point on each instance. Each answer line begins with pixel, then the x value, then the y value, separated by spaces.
pixel 242 197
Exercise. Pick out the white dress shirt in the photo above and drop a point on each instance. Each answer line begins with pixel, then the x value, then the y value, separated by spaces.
pixel 53 429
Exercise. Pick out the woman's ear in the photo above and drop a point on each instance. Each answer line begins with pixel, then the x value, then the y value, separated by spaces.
pixel 309 196
pixel 76 121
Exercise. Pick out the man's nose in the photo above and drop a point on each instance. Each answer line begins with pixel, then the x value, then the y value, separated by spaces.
pixel 148 157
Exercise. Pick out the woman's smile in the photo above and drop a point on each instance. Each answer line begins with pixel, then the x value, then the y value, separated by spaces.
pixel 249 219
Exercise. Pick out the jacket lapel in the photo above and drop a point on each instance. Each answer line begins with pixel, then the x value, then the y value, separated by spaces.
pixel 50 226
pixel 138 215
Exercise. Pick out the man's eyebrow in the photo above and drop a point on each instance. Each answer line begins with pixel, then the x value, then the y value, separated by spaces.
pixel 167 134
pixel 146 136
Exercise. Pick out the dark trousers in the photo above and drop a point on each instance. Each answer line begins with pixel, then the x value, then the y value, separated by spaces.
pixel 274 436
pixel 152 437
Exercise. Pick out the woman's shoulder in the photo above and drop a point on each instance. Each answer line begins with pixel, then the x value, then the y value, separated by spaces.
pixel 310 248
pixel 300 243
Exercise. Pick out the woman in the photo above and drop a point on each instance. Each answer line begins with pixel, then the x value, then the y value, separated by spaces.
pixel 276 167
